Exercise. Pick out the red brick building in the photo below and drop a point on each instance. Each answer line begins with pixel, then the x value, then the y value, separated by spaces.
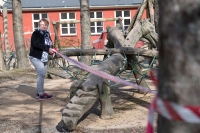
pixel 62 10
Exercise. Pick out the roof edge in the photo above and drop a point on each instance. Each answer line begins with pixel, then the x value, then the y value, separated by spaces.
pixel 78 8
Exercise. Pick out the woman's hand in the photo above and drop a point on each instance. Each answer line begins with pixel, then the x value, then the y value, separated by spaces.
pixel 51 51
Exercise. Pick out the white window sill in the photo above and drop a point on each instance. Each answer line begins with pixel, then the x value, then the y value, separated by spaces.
pixel 69 35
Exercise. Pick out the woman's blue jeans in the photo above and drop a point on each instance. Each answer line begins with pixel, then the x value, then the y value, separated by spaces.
pixel 41 69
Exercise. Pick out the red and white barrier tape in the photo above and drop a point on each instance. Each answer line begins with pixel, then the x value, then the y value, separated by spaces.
pixel 172 111
pixel 169 110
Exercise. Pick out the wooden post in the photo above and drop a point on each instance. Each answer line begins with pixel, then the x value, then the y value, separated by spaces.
pixel 40 118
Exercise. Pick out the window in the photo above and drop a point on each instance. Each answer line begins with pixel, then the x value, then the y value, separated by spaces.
pixel 127 19
pixel 96 27
pixel 37 17
pixel 68 29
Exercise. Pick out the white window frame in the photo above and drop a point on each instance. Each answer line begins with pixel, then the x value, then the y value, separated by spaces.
pixel 95 23
pixel 68 25
pixel 40 17
pixel 123 17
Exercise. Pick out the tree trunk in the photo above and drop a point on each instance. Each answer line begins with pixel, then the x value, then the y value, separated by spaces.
pixel 6 41
pixel 179 58
pixel 156 14
pixel 22 58
pixel 1 55
pixel 85 29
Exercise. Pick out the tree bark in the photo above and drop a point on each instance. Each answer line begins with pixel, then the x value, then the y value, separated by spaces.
pixel 85 29
pixel 156 15
pixel 22 58
pixel 6 41
pixel 179 58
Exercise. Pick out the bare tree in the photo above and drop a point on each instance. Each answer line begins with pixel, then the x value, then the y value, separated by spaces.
pixel 85 29
pixel 22 58
pixel 179 58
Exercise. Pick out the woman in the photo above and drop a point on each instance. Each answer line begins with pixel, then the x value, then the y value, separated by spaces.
pixel 41 46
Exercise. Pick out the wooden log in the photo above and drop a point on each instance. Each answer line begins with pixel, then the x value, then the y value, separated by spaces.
pixel 141 29
pixel 137 16
pixel 151 10
pixel 74 106
pixel 88 92
pixel 115 35
pixel 152 43
pixel 106 104
pixel 131 40
pixel 134 36
pixel 147 27
pixel 75 86
pixel 111 65
pixel 126 50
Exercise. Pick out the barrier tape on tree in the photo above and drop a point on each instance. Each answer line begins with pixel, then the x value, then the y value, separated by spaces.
pixel 169 110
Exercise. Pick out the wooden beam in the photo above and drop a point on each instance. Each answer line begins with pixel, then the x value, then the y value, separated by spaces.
pixel 122 50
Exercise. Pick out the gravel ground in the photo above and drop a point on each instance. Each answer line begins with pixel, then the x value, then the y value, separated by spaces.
pixel 19 110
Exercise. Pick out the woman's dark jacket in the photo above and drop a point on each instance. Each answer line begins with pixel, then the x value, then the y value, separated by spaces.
pixel 38 45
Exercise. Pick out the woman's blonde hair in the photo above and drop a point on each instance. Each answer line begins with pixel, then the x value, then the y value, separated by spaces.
pixel 44 20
